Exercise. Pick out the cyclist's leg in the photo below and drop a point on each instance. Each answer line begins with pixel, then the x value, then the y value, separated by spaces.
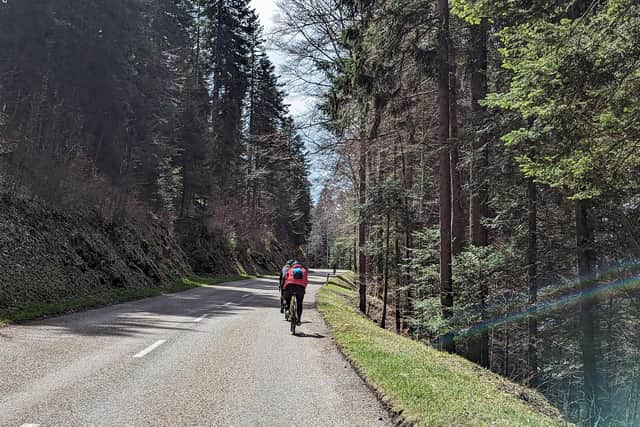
pixel 300 296
pixel 281 293
pixel 286 295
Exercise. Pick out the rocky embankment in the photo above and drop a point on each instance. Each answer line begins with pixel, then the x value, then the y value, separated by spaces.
pixel 211 253
pixel 47 255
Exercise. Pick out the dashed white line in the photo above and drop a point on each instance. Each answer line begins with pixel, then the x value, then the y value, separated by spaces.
pixel 30 425
pixel 246 296
pixel 200 319
pixel 149 349
pixel 229 303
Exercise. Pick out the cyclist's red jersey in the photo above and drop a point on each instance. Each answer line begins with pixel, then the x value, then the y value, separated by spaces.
pixel 291 278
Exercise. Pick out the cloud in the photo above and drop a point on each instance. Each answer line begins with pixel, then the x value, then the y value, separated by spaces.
pixel 266 10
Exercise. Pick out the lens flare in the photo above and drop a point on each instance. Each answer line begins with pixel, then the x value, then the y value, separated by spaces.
pixel 575 292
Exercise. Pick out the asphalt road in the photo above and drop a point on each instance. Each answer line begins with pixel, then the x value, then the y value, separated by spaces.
pixel 217 355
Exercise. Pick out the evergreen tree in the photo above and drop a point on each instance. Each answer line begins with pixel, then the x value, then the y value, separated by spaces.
pixel 226 43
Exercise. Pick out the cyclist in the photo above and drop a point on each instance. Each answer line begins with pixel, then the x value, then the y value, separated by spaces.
pixel 283 275
pixel 295 283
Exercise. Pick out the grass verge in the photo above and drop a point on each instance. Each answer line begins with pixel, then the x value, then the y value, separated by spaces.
pixel 425 386
pixel 103 299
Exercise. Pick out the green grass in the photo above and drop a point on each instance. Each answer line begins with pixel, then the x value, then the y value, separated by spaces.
pixel 110 297
pixel 426 386
pixel 345 280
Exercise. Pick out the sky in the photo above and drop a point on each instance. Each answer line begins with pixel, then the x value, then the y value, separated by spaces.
pixel 299 104
pixel 267 9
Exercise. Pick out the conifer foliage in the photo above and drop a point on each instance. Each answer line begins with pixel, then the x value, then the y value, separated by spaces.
pixel 488 153
pixel 168 110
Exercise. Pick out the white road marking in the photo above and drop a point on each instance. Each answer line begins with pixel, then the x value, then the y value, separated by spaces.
pixel 246 296
pixel 200 319
pixel 228 303
pixel 149 349
pixel 30 425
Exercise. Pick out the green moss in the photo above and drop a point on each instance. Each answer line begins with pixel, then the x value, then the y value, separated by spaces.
pixel 429 387
pixel 110 297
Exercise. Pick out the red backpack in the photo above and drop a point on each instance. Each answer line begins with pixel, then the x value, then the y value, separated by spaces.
pixel 297 275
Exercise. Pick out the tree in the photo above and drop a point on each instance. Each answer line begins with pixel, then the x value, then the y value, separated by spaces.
pixel 446 285
pixel 226 41
pixel 531 112
pixel 137 109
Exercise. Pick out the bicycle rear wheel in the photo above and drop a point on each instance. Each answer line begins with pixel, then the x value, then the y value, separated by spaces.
pixel 293 313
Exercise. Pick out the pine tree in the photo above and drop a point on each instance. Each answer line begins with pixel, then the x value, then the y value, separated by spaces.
pixel 226 45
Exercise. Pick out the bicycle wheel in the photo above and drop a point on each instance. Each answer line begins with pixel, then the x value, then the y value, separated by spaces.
pixel 293 313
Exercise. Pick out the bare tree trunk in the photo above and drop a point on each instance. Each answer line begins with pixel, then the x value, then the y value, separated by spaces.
pixel 446 285
pixel 364 162
pixel 383 322
pixel 354 258
pixel 458 220
pixel 586 269
pixel 398 284
pixel 532 272
pixel 506 351
pixel 479 195
pixel 479 346
pixel 407 180
pixel 371 263
pixel 362 225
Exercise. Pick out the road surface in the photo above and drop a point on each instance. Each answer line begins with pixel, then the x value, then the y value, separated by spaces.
pixel 217 355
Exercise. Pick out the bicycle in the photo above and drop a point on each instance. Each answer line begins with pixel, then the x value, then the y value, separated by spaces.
pixel 293 313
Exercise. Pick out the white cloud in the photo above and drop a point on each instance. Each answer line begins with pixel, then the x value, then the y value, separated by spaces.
pixel 266 10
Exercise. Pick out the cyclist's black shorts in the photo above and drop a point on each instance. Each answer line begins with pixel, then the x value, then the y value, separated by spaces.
pixel 296 290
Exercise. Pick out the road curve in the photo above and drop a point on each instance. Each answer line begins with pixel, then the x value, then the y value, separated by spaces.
pixel 216 355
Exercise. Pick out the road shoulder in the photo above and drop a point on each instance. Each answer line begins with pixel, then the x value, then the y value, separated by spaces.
pixel 425 386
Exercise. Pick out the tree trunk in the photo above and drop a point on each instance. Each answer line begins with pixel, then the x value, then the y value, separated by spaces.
pixel 446 285
pixel 479 195
pixel 383 321
pixel 251 151
pixel 479 346
pixel 362 226
pixel 532 272
pixel 506 351
pixel 586 269
pixel 378 106
pixel 407 181
pixel 398 284
pixel 458 220
pixel 354 249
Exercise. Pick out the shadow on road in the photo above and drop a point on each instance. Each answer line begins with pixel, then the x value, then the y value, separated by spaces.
pixel 168 312
pixel 303 335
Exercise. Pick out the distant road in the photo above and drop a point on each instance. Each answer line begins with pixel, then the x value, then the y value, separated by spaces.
pixel 217 355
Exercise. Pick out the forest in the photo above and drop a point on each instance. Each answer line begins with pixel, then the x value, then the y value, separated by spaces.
pixel 165 115
pixel 485 185
pixel 481 161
